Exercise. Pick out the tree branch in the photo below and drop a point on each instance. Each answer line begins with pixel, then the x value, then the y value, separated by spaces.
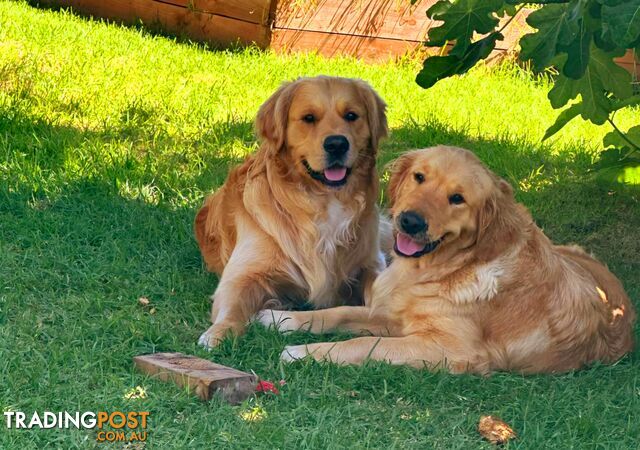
pixel 511 18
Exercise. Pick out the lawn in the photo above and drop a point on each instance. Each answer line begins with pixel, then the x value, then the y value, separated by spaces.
pixel 110 138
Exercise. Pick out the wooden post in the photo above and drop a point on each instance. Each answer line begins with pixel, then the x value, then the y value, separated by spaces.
pixel 200 376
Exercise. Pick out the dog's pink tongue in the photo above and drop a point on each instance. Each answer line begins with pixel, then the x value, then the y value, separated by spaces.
pixel 335 173
pixel 406 245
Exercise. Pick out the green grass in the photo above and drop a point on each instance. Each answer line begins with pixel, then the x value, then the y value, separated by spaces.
pixel 109 140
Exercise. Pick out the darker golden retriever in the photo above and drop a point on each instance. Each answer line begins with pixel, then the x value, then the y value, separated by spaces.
pixel 476 286
pixel 298 219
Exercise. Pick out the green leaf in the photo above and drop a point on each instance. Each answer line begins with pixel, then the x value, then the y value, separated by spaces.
pixel 630 101
pixel 614 139
pixel 556 23
pixel 458 61
pixel 577 56
pixel 563 90
pixel 610 2
pixel 563 118
pixel 618 166
pixel 436 68
pixel 602 77
pixel 621 161
pixel 616 157
pixel 603 42
pixel 614 78
pixel 507 10
pixel 438 9
pixel 622 22
pixel 619 175
pixel 479 50
pixel 461 19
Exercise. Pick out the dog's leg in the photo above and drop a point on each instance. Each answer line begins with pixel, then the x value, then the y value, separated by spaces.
pixel 416 351
pixel 357 319
pixel 234 303
pixel 367 280
pixel 244 286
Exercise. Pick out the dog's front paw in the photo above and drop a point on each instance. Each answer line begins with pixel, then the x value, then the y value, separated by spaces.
pixel 206 339
pixel 294 353
pixel 282 321
pixel 213 336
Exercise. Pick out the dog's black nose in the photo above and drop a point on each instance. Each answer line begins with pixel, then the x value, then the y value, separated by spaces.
pixel 336 145
pixel 411 222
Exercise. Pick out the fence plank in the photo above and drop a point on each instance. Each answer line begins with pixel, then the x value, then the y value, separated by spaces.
pixel 254 11
pixel 396 19
pixel 333 44
pixel 175 19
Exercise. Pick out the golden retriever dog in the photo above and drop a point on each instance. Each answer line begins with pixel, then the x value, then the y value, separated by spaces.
pixel 475 285
pixel 298 219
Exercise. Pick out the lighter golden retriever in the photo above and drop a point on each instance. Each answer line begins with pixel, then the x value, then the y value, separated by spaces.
pixel 475 286
pixel 298 219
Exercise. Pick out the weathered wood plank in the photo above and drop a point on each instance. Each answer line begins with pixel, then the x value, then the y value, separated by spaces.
pixel 202 26
pixel 396 19
pixel 200 376
pixel 349 20
pixel 174 19
pixel 366 47
pixel 255 11
pixel 333 44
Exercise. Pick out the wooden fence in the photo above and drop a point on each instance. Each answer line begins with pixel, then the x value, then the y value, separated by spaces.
pixel 373 30
pixel 214 21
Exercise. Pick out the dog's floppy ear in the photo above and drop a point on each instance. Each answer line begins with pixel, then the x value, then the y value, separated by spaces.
pixel 271 122
pixel 398 170
pixel 498 220
pixel 376 114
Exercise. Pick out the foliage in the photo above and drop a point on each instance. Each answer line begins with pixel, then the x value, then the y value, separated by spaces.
pixel 109 140
pixel 578 38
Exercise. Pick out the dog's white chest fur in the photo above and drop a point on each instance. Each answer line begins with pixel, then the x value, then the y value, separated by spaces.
pixel 333 229
pixel 483 287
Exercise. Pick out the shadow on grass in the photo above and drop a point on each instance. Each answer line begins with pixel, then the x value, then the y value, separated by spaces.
pixel 134 157
pixel 107 233
pixel 77 251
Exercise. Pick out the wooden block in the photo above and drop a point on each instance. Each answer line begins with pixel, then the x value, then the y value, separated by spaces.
pixel 200 376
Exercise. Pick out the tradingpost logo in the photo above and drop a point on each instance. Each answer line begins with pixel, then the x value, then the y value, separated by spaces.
pixel 116 426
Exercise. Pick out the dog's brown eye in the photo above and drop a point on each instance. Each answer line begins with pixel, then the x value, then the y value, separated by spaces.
pixel 351 117
pixel 309 118
pixel 456 199
pixel 418 177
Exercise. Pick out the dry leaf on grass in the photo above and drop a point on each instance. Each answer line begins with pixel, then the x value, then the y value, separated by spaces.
pixel 136 392
pixel 144 301
pixel 495 430
pixel 255 414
